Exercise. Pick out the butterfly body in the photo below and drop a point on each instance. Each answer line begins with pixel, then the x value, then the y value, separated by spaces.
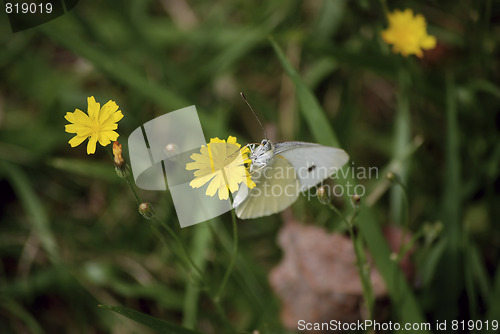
pixel 281 171
pixel 261 154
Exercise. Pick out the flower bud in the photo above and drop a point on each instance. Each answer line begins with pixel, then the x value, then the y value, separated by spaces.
pixel 390 176
pixel 355 200
pixel 146 210
pixel 323 195
pixel 121 167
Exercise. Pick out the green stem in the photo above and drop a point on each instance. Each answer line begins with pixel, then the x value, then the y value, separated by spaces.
pixel 407 246
pixel 406 221
pixel 131 186
pixel 402 133
pixel 179 242
pixel 130 182
pixel 223 316
pixel 233 256
pixel 361 262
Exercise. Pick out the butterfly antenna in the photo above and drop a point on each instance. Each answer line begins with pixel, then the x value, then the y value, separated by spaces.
pixel 249 106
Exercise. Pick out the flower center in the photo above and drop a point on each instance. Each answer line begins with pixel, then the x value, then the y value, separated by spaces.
pixel 95 127
pixel 403 35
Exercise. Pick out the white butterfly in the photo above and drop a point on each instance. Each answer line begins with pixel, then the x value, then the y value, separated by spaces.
pixel 281 171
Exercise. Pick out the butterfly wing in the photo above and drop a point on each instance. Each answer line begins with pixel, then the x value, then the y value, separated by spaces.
pixel 277 187
pixel 312 162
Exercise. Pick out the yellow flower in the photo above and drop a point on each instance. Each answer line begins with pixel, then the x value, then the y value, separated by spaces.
pixel 98 125
pixel 407 33
pixel 223 164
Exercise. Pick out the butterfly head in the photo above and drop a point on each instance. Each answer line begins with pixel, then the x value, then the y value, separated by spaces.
pixel 261 155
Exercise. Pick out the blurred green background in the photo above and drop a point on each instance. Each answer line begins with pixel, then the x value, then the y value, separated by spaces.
pixel 70 235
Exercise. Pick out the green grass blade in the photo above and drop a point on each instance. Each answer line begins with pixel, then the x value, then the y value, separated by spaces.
pixel 479 270
pixel 309 105
pixel 91 169
pixel 235 49
pixel 470 286
pixel 158 325
pixel 201 245
pixel 17 310
pixel 494 306
pixel 402 133
pixel 330 19
pixel 34 208
pixel 452 176
pixel 373 62
pixel 447 299
pixel 397 287
pixel 382 184
pixel 116 68
pixel 485 86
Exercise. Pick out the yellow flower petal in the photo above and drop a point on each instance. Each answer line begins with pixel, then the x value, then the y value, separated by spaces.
pixel 192 165
pixel 200 181
pixel 77 140
pixel 98 125
pixel 232 140
pixel 203 171
pixel 245 150
pixel 111 135
pixel 93 108
pixel 76 128
pixel 91 145
pixel 200 158
pixel 221 163
pixel 78 117
pixel 107 109
pixel 249 182
pixel 407 33
pixel 223 192
pixel 113 118
pixel 103 140
pixel 110 127
pixel 429 43
pixel 234 178
pixel 214 184
pixel 217 140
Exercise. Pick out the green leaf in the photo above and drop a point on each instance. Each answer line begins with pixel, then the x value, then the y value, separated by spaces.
pixel 91 169
pixel 309 106
pixel 451 262
pixel 160 326
pixel 18 311
pixel 115 67
pixel 200 247
pixel 33 206
pixel 494 306
pixel 330 18
pixel 402 134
